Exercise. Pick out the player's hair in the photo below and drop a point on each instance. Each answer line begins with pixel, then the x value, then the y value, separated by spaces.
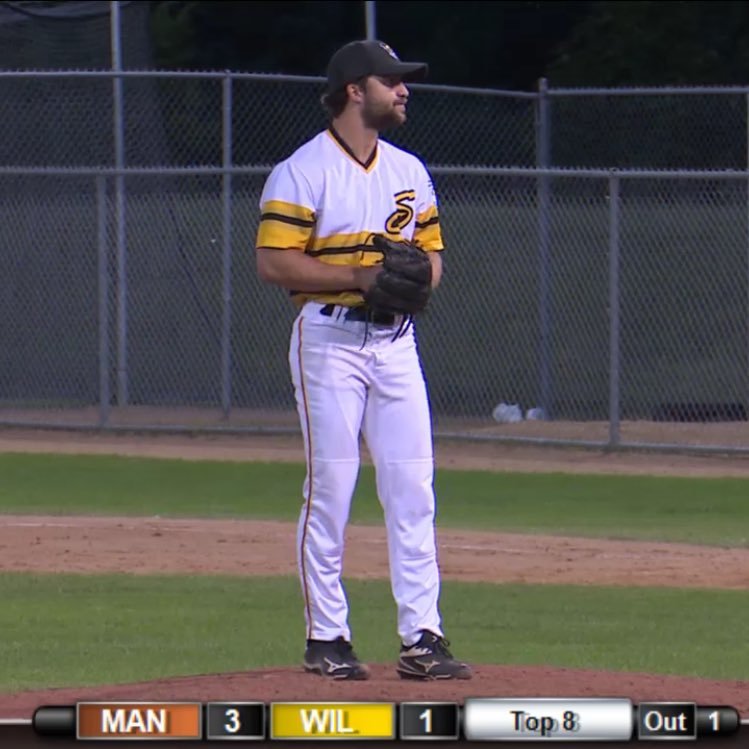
pixel 335 102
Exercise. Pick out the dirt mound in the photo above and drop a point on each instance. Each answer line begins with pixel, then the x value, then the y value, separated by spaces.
pixel 292 684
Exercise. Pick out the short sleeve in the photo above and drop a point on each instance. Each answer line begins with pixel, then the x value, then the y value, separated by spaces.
pixel 287 210
pixel 427 232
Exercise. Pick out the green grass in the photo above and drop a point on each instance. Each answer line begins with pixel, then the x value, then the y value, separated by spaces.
pixel 709 511
pixel 77 630
pixel 109 629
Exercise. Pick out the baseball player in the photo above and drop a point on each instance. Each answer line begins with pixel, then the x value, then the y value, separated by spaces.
pixel 349 226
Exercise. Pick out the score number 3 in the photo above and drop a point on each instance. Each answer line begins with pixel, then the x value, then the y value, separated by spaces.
pixel 234 724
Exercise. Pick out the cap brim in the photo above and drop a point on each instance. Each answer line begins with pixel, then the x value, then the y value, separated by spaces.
pixel 408 71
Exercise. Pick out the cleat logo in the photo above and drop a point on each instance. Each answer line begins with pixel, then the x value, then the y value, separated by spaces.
pixel 333 667
pixel 428 665
pixel 414 652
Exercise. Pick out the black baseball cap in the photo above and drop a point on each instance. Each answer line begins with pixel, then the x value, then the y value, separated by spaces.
pixel 359 59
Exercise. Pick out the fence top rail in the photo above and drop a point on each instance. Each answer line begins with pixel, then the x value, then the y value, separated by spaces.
pixel 470 171
pixel 490 171
pixel 237 76
pixel 649 91
pixel 105 73
pixel 288 78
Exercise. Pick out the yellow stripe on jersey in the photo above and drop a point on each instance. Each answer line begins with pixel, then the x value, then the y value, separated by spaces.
pixel 284 226
pixel 345 298
pixel 277 235
pixel 427 216
pixel 427 232
pixel 358 246
pixel 348 250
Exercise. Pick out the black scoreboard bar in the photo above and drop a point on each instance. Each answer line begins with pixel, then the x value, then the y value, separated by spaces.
pixel 429 720
pixel 476 720
pixel 235 720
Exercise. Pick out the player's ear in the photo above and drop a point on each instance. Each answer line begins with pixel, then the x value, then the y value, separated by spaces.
pixel 357 89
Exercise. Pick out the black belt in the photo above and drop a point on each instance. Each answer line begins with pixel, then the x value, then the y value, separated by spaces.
pixel 361 314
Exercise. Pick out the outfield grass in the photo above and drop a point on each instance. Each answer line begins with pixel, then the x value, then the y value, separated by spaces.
pixel 119 628
pixel 708 511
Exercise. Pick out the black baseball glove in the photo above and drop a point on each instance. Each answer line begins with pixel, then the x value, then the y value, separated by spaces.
pixel 404 284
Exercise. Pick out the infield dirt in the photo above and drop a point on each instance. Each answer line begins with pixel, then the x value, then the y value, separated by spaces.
pixel 191 546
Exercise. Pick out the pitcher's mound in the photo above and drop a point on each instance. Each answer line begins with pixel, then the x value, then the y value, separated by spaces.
pixel 292 684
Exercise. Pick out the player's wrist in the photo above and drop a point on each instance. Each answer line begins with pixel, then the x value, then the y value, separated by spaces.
pixel 364 277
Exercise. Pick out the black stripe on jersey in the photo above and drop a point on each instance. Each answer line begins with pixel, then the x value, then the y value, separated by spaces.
pixel 428 222
pixel 287 220
pixel 345 146
pixel 294 292
pixel 342 250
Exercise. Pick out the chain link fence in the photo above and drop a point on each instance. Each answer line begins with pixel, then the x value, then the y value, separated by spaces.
pixel 667 128
pixel 615 300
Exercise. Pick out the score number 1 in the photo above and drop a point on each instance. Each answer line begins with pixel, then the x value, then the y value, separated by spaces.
pixel 426 716
pixel 434 720
pixel 717 720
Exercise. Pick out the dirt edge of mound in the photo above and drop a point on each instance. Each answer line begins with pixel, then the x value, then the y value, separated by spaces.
pixel 291 684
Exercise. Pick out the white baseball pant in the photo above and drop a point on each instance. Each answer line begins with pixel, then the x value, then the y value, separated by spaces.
pixel 346 385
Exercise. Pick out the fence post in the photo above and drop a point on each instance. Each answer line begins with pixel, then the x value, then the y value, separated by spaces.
pixel 614 319
pixel 226 196
pixel 543 161
pixel 119 204
pixel 103 283
pixel 370 19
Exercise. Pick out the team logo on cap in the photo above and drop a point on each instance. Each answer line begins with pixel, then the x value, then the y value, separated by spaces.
pixel 389 50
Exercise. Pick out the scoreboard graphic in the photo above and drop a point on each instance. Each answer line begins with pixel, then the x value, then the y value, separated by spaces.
pixel 475 720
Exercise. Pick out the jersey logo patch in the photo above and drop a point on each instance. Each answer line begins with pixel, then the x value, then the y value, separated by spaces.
pixel 403 214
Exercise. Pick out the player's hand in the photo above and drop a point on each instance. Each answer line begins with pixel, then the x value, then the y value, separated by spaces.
pixel 364 277
pixel 404 284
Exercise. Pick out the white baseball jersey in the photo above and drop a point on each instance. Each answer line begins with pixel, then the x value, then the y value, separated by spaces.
pixel 323 201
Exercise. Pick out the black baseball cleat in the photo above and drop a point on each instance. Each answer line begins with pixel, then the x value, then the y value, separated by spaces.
pixel 334 659
pixel 429 659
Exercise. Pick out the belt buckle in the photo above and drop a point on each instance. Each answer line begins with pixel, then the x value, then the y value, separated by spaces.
pixel 352 314
pixel 386 319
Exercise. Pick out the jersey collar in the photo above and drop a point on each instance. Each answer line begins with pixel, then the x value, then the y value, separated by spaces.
pixel 367 165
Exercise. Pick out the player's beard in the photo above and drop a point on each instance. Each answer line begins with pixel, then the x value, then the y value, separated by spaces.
pixel 379 116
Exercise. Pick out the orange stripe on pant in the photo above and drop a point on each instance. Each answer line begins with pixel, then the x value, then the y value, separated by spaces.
pixel 308 498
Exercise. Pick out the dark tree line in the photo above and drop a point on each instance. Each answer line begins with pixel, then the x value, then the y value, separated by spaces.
pixel 508 44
